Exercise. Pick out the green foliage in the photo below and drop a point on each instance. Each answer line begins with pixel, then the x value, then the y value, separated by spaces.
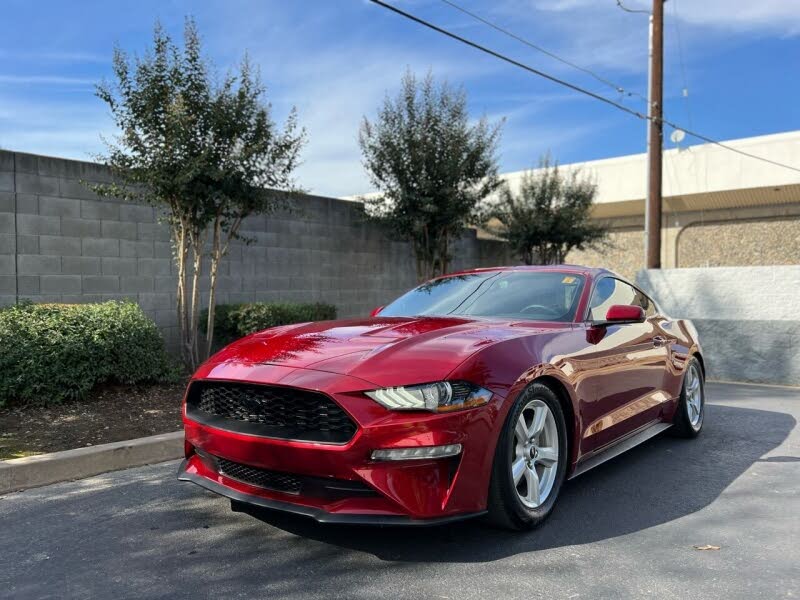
pixel 204 148
pixel 50 353
pixel 238 320
pixel 431 165
pixel 548 217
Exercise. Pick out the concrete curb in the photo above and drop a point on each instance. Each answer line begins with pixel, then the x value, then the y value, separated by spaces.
pixel 44 469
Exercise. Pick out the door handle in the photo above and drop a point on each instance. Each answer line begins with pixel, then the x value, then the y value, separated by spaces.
pixel 659 341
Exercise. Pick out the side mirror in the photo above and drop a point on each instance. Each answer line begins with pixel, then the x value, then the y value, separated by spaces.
pixel 625 313
pixel 375 311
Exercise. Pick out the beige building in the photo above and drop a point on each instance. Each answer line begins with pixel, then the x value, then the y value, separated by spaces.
pixel 720 208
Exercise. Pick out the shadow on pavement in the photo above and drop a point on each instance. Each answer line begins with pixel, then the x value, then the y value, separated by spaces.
pixel 660 481
pixel 142 534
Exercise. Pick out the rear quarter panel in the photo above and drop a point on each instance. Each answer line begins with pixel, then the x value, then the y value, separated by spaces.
pixel 684 343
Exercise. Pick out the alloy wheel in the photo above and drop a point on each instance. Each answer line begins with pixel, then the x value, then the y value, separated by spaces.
pixel 534 462
pixel 694 396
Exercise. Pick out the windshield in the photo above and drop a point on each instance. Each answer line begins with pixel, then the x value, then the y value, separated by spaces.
pixel 524 295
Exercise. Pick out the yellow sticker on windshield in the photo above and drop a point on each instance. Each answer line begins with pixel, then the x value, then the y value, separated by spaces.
pixel 568 279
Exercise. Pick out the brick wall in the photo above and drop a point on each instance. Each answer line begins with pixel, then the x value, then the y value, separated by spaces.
pixel 623 253
pixel 771 241
pixel 60 243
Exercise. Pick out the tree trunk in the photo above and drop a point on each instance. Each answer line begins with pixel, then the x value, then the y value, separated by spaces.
pixel 216 252
pixel 420 262
pixel 527 256
pixel 423 256
pixel 179 239
pixel 444 259
pixel 194 306
pixel 541 255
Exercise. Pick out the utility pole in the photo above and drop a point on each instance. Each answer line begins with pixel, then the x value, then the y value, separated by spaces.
pixel 655 137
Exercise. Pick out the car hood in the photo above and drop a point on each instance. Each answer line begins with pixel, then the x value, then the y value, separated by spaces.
pixel 384 351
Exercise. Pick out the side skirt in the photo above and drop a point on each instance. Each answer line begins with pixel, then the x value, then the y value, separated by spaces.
pixel 618 448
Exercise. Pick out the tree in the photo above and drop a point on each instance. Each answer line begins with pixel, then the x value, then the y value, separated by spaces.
pixel 431 167
pixel 548 217
pixel 208 153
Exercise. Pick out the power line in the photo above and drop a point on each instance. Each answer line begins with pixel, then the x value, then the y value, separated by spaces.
pixel 631 10
pixel 502 57
pixel 616 87
pixel 678 37
pixel 571 86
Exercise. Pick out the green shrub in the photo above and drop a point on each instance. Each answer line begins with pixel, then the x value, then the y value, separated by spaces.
pixel 50 353
pixel 233 321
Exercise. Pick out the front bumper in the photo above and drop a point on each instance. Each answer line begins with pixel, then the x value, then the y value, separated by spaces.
pixel 426 491
pixel 186 473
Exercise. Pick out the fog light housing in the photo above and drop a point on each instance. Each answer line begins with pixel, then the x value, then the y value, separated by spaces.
pixel 417 452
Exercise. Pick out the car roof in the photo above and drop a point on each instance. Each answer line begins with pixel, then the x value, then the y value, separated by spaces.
pixel 592 272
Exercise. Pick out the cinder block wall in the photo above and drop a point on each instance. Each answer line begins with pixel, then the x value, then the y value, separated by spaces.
pixel 748 318
pixel 60 243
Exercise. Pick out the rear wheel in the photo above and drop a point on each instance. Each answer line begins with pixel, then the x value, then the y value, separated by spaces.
pixel 688 420
pixel 530 460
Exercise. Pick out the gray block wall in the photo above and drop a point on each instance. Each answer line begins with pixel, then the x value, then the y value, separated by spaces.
pixel 59 242
pixel 748 318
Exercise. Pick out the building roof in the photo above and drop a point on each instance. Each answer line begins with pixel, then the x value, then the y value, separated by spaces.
pixel 699 177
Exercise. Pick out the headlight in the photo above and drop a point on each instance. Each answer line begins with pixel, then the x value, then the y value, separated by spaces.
pixel 442 396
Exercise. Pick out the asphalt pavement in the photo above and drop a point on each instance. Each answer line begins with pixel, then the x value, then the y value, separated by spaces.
pixel 627 529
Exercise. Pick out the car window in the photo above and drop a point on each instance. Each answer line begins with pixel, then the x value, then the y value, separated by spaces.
pixel 650 310
pixel 530 296
pixel 523 295
pixel 437 297
pixel 609 291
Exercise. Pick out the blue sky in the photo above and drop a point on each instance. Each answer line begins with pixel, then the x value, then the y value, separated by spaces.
pixel 336 59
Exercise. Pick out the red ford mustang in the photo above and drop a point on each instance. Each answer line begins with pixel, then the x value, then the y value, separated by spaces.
pixel 478 392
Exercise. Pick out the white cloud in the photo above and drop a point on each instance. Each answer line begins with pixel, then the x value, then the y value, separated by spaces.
pixel 525 147
pixel 47 80
pixel 782 16
pixel 69 129
pixel 563 5
pixel 598 34
pixel 333 91
pixel 59 56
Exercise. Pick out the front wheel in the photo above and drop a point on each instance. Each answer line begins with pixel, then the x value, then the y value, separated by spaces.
pixel 530 460
pixel 689 415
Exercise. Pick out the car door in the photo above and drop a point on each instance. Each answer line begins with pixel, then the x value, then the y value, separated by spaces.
pixel 626 364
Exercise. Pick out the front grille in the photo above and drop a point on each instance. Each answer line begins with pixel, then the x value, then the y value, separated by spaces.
pixel 272 480
pixel 270 411
pixel 289 483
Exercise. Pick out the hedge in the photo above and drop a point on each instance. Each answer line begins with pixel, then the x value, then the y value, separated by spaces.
pixel 52 353
pixel 233 321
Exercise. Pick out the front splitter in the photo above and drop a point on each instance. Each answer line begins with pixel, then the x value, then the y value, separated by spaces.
pixel 318 515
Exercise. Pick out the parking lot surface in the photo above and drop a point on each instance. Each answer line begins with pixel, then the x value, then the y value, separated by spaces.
pixel 627 529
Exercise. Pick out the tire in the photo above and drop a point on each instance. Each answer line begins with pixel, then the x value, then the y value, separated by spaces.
pixel 690 413
pixel 515 506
